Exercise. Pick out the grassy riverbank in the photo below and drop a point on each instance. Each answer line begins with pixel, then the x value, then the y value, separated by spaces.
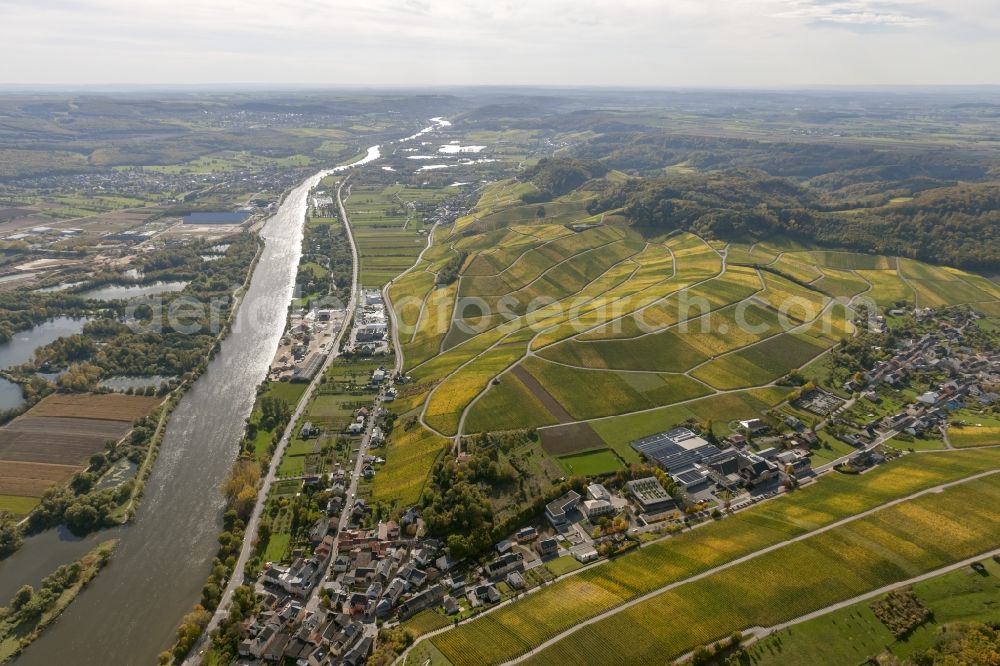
pixel 30 611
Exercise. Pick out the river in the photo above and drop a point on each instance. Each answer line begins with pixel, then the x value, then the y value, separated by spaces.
pixel 129 614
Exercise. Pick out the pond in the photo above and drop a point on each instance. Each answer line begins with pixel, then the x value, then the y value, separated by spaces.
pixel 456 148
pixel 11 395
pixel 221 217
pixel 121 471
pixel 122 383
pixel 22 345
pixel 61 287
pixel 112 292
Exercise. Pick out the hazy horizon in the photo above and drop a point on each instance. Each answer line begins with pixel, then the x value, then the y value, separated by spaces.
pixel 776 44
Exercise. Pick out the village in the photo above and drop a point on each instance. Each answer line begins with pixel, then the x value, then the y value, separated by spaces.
pixel 362 575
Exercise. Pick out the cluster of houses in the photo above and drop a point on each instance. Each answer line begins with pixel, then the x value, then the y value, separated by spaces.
pixel 942 350
pixel 375 574
pixel 966 376
pixel 284 630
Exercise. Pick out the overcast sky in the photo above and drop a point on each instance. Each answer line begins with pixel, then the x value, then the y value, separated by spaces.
pixel 750 43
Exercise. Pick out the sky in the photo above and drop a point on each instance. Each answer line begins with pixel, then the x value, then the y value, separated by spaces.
pixel 631 43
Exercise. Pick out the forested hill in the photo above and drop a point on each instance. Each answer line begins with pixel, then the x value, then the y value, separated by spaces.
pixel 956 225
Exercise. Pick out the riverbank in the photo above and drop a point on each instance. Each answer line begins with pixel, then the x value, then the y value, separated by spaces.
pixel 168 405
pixel 31 611
pixel 252 527
pixel 176 525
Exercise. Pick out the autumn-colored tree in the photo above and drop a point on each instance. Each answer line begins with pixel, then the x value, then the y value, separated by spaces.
pixel 240 487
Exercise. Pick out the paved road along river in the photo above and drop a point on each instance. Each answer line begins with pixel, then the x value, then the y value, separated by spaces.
pixel 130 612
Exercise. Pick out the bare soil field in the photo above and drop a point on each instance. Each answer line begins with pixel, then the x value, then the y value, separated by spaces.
pixel 108 406
pixel 31 479
pixel 570 438
pixel 58 441
pixel 45 446
pixel 546 398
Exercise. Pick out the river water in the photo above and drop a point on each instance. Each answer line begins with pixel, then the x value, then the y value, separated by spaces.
pixel 129 613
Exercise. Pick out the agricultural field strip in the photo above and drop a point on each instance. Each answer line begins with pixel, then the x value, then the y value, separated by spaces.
pixel 591 300
pixel 451 317
pixel 615 298
pixel 795 329
pixel 476 212
pixel 423 306
pixel 762 632
pixel 662 329
pixel 649 598
pixel 511 265
pixel 688 372
pixel 660 299
pixel 955 276
pixel 571 258
pixel 559 321
pixel 725 565
pixel 515 326
pixel 468 407
pixel 645 410
pixel 451 246
pixel 747 558
pixel 685 322
pixel 899 274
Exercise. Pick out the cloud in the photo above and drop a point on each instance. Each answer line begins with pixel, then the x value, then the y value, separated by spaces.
pixel 856 13
pixel 571 42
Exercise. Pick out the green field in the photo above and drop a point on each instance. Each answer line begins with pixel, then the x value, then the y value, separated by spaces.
pixel 567 602
pixel 853 634
pixel 507 405
pixel 17 505
pixel 409 458
pixel 893 544
pixel 563 565
pixel 289 392
pixel 610 392
pixel 977 434
pixel 592 463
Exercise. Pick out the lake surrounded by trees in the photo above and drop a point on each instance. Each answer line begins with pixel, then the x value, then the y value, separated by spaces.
pixel 22 345
pixel 112 292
